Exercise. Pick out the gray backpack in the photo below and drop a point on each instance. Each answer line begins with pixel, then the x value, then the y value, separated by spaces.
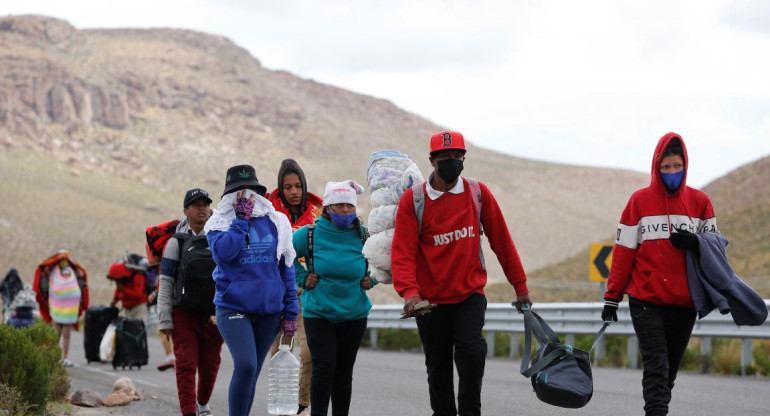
pixel 418 196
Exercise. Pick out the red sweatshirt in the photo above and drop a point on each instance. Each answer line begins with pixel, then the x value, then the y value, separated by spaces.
pixel 309 215
pixel 130 290
pixel 441 263
pixel 644 263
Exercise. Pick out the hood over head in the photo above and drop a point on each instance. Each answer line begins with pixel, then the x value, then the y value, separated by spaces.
pixel 291 166
pixel 656 181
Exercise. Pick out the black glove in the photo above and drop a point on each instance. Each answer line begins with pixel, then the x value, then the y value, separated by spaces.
pixel 610 311
pixel 684 240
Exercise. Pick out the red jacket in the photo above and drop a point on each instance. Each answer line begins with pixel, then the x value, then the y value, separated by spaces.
pixel 644 263
pixel 130 291
pixel 309 214
pixel 441 263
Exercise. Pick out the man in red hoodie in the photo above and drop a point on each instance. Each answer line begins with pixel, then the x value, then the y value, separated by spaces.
pixel 438 260
pixel 648 264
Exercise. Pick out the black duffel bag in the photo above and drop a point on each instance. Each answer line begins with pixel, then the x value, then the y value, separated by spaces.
pixel 560 373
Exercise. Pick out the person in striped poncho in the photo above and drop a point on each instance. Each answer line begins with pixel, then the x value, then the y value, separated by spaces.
pixel 62 294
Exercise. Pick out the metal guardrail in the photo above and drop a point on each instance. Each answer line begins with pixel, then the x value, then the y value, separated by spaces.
pixel 570 319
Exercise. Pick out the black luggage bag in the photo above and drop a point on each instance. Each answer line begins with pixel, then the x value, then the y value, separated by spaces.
pixel 130 344
pixel 97 320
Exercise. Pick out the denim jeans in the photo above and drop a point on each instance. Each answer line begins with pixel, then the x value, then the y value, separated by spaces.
pixel 663 332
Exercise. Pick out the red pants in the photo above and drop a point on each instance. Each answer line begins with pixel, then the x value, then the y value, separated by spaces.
pixel 197 346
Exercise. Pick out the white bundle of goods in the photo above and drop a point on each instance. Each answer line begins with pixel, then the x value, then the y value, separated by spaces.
pixel 389 174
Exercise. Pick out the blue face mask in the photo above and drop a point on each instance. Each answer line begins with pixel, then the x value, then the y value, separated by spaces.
pixel 342 220
pixel 672 180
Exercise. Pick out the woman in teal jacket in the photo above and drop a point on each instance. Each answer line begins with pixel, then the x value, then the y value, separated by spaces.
pixel 334 301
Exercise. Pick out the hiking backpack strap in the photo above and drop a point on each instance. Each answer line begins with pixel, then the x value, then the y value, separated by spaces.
pixel 179 278
pixel 309 258
pixel 476 197
pixel 363 234
pixel 418 197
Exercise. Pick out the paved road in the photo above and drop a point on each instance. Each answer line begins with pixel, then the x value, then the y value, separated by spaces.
pixel 394 383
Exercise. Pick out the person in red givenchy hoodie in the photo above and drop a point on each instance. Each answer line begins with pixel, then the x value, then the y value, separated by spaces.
pixel 129 291
pixel 438 259
pixel 301 208
pixel 649 265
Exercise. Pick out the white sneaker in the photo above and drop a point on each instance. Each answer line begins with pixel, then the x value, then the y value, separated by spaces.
pixel 67 363
pixel 204 410
pixel 167 363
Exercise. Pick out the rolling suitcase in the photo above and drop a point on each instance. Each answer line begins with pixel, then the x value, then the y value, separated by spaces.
pixel 97 320
pixel 130 344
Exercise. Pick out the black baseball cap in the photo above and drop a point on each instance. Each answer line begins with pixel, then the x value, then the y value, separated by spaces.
pixel 193 194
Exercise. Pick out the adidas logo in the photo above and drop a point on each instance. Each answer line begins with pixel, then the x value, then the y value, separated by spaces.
pixel 257 243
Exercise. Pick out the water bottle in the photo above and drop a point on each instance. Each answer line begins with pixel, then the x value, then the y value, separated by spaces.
pixel 283 379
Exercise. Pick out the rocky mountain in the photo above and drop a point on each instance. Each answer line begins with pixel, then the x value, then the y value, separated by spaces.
pixel 102 131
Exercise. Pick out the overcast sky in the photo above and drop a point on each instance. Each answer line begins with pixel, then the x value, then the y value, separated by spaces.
pixel 582 82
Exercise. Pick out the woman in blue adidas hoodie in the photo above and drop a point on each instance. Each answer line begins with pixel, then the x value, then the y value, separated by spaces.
pixel 334 301
pixel 255 290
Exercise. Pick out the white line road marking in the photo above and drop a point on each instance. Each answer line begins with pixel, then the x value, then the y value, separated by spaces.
pixel 116 376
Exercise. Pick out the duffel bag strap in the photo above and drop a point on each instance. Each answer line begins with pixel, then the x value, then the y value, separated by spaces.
pixel 599 335
pixel 534 324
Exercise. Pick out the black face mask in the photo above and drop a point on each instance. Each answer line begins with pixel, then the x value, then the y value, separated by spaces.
pixel 449 169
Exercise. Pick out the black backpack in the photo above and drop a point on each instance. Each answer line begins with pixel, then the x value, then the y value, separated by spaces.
pixel 195 286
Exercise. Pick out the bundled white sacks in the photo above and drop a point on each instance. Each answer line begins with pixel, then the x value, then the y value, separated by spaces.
pixel 389 174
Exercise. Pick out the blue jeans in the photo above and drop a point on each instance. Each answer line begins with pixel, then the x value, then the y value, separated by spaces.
pixel 248 337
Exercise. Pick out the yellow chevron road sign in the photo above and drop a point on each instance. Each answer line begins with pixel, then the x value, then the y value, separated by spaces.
pixel 600 260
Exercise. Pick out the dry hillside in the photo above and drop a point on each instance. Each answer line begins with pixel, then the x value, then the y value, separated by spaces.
pixel 101 132
pixel 742 203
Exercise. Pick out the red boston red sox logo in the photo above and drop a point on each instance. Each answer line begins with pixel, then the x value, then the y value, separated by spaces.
pixel 447 139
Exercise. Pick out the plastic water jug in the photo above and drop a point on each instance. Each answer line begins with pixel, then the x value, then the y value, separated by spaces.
pixel 283 381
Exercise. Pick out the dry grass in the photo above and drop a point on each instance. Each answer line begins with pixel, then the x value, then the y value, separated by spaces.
pixel 96 217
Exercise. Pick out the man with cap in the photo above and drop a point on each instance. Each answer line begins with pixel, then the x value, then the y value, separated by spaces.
pixel 197 341
pixel 256 295
pixel 437 258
